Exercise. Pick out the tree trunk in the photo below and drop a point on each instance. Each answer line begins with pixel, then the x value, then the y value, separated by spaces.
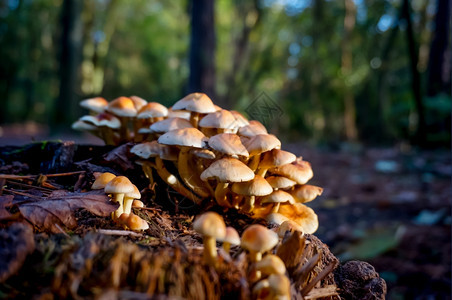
pixel 416 77
pixel 351 131
pixel 67 108
pixel 438 70
pixel 202 48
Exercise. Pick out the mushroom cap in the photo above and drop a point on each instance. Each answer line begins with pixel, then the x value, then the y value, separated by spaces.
pixel 137 203
pixel 228 143
pixel 262 143
pixel 303 215
pixel 276 218
pixel 119 185
pixel 102 180
pixel 228 170
pixel 188 137
pixel 279 285
pixel 134 222
pixel 103 119
pixel 122 107
pixel 232 236
pixel 218 119
pixel 240 119
pixel 152 110
pixel 300 172
pixel 288 225
pixel 203 153
pixel 271 264
pixel 170 124
pixel 146 150
pixel 256 187
pixel 138 102
pixel 195 102
pixel 275 158
pixel 82 126
pixel 253 128
pixel 210 224
pixel 135 194
pixel 96 104
pixel 183 114
pixel 258 238
pixel 280 182
pixel 278 196
pixel 306 192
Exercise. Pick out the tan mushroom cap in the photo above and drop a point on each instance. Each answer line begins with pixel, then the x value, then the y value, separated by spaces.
pixel 278 196
pixel 276 158
pixel 223 119
pixel 301 172
pixel 138 102
pixel 133 221
pixel 103 119
pixel 253 128
pixel 258 238
pixel 288 225
pixel 303 215
pixel 276 218
pixel 271 264
pixel 188 137
pixel 195 102
pixel 146 150
pixel 183 114
pixel 228 143
pixel 279 286
pixel 102 180
pixel 122 107
pixel 262 143
pixel 256 187
pixel 119 185
pixel 232 236
pixel 210 224
pixel 97 104
pixel 228 170
pixel 203 153
pixel 240 119
pixel 80 125
pixel 280 182
pixel 152 110
pixel 306 192
pixel 170 124
pixel 135 194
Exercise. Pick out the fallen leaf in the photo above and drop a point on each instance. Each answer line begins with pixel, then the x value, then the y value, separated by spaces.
pixel 5 201
pixel 16 242
pixel 49 213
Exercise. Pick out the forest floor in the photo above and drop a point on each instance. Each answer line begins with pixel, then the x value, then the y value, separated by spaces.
pixel 388 206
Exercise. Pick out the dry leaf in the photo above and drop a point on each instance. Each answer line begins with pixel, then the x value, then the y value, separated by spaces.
pixel 49 213
pixel 5 201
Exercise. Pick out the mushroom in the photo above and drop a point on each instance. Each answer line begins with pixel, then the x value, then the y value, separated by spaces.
pixel 274 158
pixel 138 102
pixel 301 214
pixel 305 193
pixel 276 286
pixel 276 198
pixel 124 108
pixel 258 239
pixel 276 218
pixel 250 189
pixel 290 226
pixel 221 121
pixel 270 264
pixel 102 180
pixel 149 114
pixel 186 139
pixel 226 170
pixel 298 171
pixel 228 144
pixel 96 104
pixel 253 128
pixel 129 198
pixel 133 221
pixel 280 182
pixel 107 125
pixel 258 144
pixel 197 104
pixel 118 187
pixel 211 226
pixel 169 124
pixel 231 238
pixel 137 204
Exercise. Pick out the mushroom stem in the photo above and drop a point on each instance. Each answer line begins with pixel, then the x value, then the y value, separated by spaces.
pixel 190 179
pixel 275 208
pixel 106 134
pixel 194 119
pixel 120 199
pixel 226 246
pixel 199 168
pixel 249 203
pixel 128 205
pixel 255 256
pixel 173 182
pixel 220 194
pixel 253 163
pixel 262 171
pixel 147 169
pixel 210 250
pixel 124 129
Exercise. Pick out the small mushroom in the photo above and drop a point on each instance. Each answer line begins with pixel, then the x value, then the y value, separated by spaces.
pixel 129 198
pixel 259 144
pixel 96 104
pixel 298 171
pixel 102 180
pixel 221 121
pixel 305 193
pixel 290 226
pixel 232 238
pixel 270 264
pixel 250 189
pixel 258 239
pixel 274 158
pixel 303 215
pixel 118 187
pixel 198 104
pixel 276 198
pixel 280 182
pixel 133 221
pixel 211 226
pixel 123 108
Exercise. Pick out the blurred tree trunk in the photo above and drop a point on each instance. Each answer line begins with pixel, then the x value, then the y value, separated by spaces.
pixel 351 131
pixel 415 76
pixel 438 70
pixel 202 48
pixel 67 108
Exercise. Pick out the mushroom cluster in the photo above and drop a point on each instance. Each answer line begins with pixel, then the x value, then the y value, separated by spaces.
pixel 217 154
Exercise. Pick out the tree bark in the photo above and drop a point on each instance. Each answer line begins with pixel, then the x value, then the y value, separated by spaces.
pixel 438 70
pixel 351 131
pixel 415 76
pixel 67 108
pixel 202 48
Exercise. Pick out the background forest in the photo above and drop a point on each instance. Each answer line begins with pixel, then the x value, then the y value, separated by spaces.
pixel 360 70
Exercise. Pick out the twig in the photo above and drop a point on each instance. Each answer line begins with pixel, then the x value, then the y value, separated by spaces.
pixel 119 232
pixel 22 194
pixel 6 176
pixel 61 229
